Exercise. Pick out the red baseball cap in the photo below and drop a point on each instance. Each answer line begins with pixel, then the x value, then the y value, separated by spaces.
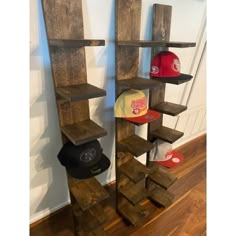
pixel 171 159
pixel 166 64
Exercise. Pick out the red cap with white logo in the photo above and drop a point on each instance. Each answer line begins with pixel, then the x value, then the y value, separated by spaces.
pixel 166 64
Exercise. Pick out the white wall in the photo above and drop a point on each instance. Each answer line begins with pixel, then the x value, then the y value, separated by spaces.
pixel 48 187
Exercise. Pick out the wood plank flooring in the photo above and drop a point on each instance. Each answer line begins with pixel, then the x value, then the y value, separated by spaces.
pixel 185 217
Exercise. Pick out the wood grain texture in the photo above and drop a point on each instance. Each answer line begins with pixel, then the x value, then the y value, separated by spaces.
pixel 162 178
pixel 167 134
pixel 186 216
pixel 134 214
pixel 128 21
pixel 161 196
pixel 64 19
pixel 64 28
pixel 92 219
pixel 80 92
pixel 75 43
pixel 133 192
pixel 170 108
pixel 134 170
pixel 155 43
pixel 83 131
pixel 176 81
pixel 87 192
pixel 135 145
pixel 137 83
pixel 160 32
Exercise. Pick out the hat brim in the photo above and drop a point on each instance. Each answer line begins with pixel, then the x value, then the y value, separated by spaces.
pixel 88 172
pixel 150 116
pixel 176 160
pixel 175 79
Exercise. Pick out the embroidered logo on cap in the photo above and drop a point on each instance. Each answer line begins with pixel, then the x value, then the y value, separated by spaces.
pixel 175 65
pixel 139 105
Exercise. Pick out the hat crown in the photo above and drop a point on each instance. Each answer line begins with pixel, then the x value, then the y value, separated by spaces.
pixel 85 155
pixel 165 64
pixel 131 103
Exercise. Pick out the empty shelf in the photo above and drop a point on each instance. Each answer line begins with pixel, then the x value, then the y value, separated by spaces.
pixel 135 145
pixel 134 214
pixel 80 92
pixel 134 170
pixel 161 196
pixel 172 80
pixel 169 108
pixel 162 178
pixel 92 219
pixel 83 131
pixel 138 83
pixel 151 43
pixel 75 43
pixel 88 192
pixel 133 193
pixel 167 134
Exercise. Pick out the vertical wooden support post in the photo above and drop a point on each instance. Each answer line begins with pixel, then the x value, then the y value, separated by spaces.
pixel 160 32
pixel 65 33
pixel 128 17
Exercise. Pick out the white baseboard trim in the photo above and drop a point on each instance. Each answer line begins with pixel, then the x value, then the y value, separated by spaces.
pixel 46 212
pixel 187 139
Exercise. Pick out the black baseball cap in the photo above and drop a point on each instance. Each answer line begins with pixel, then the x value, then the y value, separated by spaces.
pixel 83 161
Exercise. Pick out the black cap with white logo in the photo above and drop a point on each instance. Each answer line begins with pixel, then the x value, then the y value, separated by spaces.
pixel 84 161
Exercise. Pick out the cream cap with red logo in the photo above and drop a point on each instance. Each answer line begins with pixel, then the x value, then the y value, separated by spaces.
pixel 132 105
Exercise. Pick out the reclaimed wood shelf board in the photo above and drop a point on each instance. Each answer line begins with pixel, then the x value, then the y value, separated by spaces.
pixel 80 92
pixel 134 214
pixel 133 193
pixel 88 192
pixel 134 170
pixel 167 134
pixel 161 196
pixel 92 219
pixel 169 108
pixel 162 178
pixel 135 145
pixel 137 83
pixel 173 80
pixel 69 43
pixel 83 131
pixel 152 43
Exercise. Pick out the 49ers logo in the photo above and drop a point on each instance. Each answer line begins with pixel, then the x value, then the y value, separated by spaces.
pixel 176 65
pixel 139 105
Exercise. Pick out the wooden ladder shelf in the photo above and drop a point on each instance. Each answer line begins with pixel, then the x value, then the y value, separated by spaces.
pixel 135 181
pixel 65 34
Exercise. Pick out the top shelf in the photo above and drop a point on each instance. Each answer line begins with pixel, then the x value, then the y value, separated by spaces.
pixel 151 43
pixel 75 43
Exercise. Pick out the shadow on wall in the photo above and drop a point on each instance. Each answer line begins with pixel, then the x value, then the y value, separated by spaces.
pixel 103 111
pixel 48 179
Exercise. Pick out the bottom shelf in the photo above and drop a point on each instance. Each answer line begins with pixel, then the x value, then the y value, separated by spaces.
pixel 87 192
pixel 133 192
pixel 133 213
pixel 92 219
pixel 161 196
pixel 162 178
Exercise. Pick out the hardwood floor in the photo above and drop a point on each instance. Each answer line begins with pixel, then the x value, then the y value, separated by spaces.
pixel 185 217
